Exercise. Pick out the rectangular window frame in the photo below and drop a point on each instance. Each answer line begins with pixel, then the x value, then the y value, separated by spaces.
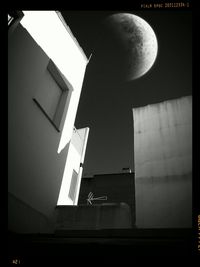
pixel 60 81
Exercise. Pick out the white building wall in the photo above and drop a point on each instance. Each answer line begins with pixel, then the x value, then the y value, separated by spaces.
pixel 36 153
pixel 57 41
pixel 163 164
pixel 74 161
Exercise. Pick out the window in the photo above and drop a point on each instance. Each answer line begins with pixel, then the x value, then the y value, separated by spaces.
pixel 72 190
pixel 52 94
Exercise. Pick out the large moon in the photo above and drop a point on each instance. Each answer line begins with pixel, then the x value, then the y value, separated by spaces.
pixel 138 40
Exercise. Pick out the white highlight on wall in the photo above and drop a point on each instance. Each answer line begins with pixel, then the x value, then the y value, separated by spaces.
pixel 51 33
pixel 75 156
pixel 83 134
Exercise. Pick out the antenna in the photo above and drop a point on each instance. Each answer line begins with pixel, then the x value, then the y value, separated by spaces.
pixel 91 198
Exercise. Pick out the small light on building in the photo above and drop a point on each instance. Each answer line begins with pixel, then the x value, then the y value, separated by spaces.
pixel 126 170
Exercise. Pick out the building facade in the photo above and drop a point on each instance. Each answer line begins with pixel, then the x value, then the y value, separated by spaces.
pixel 113 188
pixel 163 164
pixel 46 68
pixel 106 201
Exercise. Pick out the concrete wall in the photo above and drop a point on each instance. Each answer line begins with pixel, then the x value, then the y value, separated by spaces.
pixel 22 218
pixel 75 158
pixel 117 188
pixel 35 168
pixel 163 164
pixel 53 35
pixel 93 217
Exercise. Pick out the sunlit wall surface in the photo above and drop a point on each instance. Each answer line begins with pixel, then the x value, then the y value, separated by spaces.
pixel 73 168
pixel 163 164
pixel 41 70
pixel 55 38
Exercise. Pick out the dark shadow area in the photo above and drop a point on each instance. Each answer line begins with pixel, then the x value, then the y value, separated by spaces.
pixel 116 246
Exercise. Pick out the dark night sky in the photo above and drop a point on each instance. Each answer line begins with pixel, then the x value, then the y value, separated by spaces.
pixel 107 100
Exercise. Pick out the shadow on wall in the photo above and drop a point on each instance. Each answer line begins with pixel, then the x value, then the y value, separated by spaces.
pixel 93 217
pixel 35 169
pixel 25 219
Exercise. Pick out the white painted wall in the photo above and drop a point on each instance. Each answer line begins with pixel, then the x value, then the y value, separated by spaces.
pixel 163 164
pixel 57 41
pixel 75 156
pixel 35 168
